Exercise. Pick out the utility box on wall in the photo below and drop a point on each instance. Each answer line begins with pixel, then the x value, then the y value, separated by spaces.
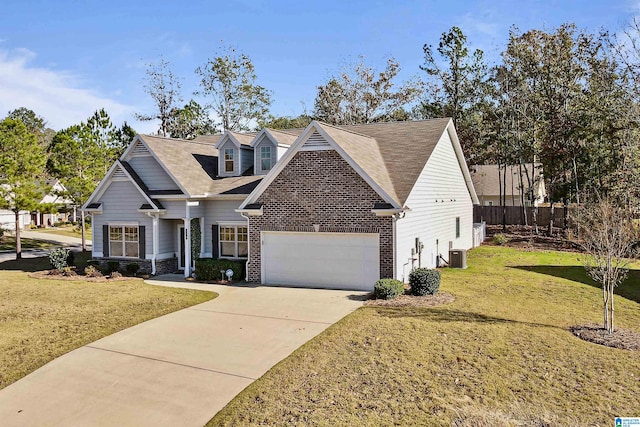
pixel 458 258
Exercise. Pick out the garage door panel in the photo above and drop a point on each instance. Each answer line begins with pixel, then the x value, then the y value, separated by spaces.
pixel 327 260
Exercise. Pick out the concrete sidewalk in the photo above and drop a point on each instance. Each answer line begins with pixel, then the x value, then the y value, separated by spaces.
pixel 179 369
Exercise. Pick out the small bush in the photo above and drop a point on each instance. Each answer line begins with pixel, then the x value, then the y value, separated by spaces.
pixel 132 268
pixel 69 271
pixel 92 271
pixel 93 262
pixel 388 288
pixel 424 281
pixel 113 266
pixel 115 275
pixel 500 239
pixel 209 269
pixel 59 258
pixel 71 259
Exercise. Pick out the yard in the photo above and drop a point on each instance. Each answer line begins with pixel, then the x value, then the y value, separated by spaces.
pixel 500 355
pixel 42 319
pixel 8 243
pixel 68 231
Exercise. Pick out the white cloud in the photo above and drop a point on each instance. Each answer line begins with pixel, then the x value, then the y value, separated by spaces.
pixel 53 95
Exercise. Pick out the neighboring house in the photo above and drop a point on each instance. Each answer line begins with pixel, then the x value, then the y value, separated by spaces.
pixel 324 206
pixel 487 181
pixel 53 198
pixel 8 219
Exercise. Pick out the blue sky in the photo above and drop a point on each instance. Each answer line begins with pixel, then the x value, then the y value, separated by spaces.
pixel 66 58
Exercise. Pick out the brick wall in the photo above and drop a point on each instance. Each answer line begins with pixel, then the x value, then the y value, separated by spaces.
pixel 320 187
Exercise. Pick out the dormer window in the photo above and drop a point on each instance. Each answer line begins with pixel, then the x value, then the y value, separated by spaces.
pixel 229 158
pixel 265 158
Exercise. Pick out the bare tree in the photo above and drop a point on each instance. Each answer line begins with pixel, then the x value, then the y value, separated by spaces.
pixel 359 94
pixel 607 235
pixel 229 81
pixel 164 88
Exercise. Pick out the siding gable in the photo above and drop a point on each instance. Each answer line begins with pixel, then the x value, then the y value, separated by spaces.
pixel 236 160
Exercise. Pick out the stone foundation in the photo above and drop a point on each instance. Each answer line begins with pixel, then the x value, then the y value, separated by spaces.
pixel 163 266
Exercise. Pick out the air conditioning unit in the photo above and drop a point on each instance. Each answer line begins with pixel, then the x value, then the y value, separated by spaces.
pixel 458 258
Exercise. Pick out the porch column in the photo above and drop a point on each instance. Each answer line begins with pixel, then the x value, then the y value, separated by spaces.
pixel 155 243
pixel 187 242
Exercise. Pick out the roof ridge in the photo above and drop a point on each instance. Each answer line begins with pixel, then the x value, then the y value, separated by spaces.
pixel 399 121
pixel 345 130
pixel 189 141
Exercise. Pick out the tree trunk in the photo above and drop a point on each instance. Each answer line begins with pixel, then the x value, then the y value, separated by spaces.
pixel 552 217
pixel 18 243
pixel 84 242
pixel 605 306
pixel 612 310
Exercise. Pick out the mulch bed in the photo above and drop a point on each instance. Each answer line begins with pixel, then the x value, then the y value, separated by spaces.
pixel 621 338
pixel 440 298
pixel 47 274
pixel 521 236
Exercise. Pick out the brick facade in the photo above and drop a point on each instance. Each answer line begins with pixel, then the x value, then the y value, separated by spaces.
pixel 319 187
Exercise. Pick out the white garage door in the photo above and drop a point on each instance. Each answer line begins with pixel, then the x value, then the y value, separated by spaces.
pixel 321 260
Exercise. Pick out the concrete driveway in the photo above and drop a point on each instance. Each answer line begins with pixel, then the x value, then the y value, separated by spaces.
pixel 179 369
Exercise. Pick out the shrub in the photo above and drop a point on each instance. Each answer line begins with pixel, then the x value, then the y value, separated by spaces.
pixel 424 281
pixel 113 266
pixel 388 288
pixel 500 239
pixel 209 269
pixel 115 275
pixel 71 259
pixel 93 262
pixel 92 271
pixel 69 271
pixel 132 268
pixel 59 258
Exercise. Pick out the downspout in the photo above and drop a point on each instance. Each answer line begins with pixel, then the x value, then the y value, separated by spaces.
pixel 246 265
pixel 396 217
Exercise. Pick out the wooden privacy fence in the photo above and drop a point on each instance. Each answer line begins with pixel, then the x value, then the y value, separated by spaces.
pixel 492 215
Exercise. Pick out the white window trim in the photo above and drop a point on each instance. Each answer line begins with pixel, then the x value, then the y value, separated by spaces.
pixel 270 158
pixel 234 225
pixel 123 225
pixel 233 160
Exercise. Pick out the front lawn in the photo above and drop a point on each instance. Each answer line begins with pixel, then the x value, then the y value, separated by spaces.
pixel 42 319
pixel 8 243
pixel 500 355
pixel 66 231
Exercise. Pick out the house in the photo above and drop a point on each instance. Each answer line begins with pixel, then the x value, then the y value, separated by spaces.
pixel 324 206
pixel 488 181
pixel 56 207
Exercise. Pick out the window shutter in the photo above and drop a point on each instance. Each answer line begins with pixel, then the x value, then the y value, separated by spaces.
pixel 142 252
pixel 215 251
pixel 105 240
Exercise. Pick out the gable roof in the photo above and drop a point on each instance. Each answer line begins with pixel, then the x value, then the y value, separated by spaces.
pixel 193 165
pixel 487 179
pixel 121 168
pixel 390 156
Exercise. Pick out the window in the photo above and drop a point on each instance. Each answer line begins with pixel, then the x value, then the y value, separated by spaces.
pixel 457 227
pixel 229 155
pixel 123 241
pixel 265 158
pixel 234 241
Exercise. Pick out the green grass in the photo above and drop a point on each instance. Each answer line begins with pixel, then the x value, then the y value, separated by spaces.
pixel 8 243
pixel 500 355
pixel 42 319
pixel 66 231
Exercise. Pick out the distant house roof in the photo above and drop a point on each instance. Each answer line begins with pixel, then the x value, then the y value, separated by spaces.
pixel 487 179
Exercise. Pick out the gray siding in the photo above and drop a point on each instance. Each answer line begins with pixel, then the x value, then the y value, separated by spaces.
pixel 246 159
pixel 219 210
pixel 120 203
pixel 167 237
pixel 176 209
pixel 274 155
pixel 438 197
pixel 152 173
